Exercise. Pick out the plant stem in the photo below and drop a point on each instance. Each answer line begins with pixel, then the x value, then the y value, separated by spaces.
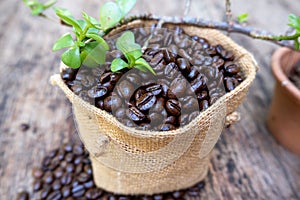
pixel 228 15
pixel 281 40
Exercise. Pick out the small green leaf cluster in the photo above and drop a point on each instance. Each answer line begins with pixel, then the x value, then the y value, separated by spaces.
pixel 132 52
pixel 37 8
pixel 243 18
pixel 294 21
pixel 89 47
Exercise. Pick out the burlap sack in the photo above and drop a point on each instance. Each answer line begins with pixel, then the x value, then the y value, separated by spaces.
pixel 130 161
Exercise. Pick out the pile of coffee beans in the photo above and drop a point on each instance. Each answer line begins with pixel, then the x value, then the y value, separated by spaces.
pixel 191 74
pixel 295 75
pixel 66 174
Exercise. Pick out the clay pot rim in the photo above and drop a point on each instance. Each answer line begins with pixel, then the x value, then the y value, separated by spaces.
pixel 280 75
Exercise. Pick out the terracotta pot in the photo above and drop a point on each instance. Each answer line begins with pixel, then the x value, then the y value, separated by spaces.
pixel 284 115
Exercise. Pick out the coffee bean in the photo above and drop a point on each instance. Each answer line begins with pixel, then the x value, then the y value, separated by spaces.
pixel 199 83
pixel 173 107
pixel 108 85
pixel 183 65
pixel 231 68
pixel 155 89
pixel 45 192
pixel 46 162
pixel 70 167
pixel 48 177
pixel 156 119
pixel 83 177
pixel 93 193
pixel 172 120
pixel 190 103
pixel 66 179
pixel 61 155
pixel 66 191
pixel 97 92
pixel 146 101
pixel 56 185
pixel 78 191
pixel 88 169
pixel 156 59
pixel 211 50
pixel 136 115
pixel 37 173
pixel 125 89
pixel 69 74
pixel 54 164
pixel 22 196
pixel 203 105
pixel 37 185
pixel 178 88
pixel 178 194
pixel 193 74
pixel 230 84
pixel 89 184
pixel 193 115
pixel 58 172
pixel 133 78
pixel 69 157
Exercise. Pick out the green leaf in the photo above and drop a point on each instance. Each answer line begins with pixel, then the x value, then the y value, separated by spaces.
pixel 99 39
pixel 82 24
pixel 90 20
pixel 93 54
pixel 125 6
pixel 71 57
pixel 49 4
pixel 110 15
pixel 67 18
pixel 63 42
pixel 126 44
pixel 296 44
pixel 294 22
pixel 38 8
pixel 118 64
pixel 141 63
pixel 242 18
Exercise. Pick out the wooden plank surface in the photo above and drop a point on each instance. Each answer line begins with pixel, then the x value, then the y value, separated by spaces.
pixel 247 163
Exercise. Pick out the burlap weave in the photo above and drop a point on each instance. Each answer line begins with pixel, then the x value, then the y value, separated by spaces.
pixel 130 161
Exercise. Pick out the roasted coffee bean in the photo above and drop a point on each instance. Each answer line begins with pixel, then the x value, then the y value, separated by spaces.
pixel 184 54
pixel 202 95
pixel 178 88
pixel 23 196
pixel 89 184
pixel 193 74
pixel 99 103
pixel 157 68
pixel 211 50
pixel 156 118
pixel 173 49
pixel 136 115
pixel 199 83
pixel 69 74
pixel 183 65
pixel 88 81
pixel 66 179
pixel 37 185
pixel 193 115
pixel 172 120
pixel 45 192
pixel 190 103
pixel 203 105
pixel 173 107
pixel 48 177
pixel 37 173
pixel 70 167
pixel 168 39
pixel 230 84
pixel 88 169
pixel 108 85
pixel 78 191
pixel 195 37
pixel 193 191
pixel 58 172
pixel 56 185
pixel 167 127
pixel 184 43
pixel 78 150
pixel 83 177
pixel 97 92
pixel 133 78
pixel 156 59
pixel 69 157
pixel 54 164
pixel 171 71
pixel 53 153
pixel 231 68
pixel 146 101
pixel 93 193
pixel 125 89
pixel 105 77
pixel 217 62
pixel 66 191
pixel 46 162
pixel 155 89
pixel 178 194
pixel 120 113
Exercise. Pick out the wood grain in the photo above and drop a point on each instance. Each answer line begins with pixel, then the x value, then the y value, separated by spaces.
pixel 247 163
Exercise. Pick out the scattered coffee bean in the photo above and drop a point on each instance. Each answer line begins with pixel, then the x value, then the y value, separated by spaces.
pixel 22 196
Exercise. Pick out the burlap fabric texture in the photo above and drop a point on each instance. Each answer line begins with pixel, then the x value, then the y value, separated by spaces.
pixel 130 161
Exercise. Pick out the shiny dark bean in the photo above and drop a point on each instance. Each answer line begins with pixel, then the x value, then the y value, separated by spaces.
pixel 58 172
pixel 168 39
pixel 108 85
pixel 193 74
pixel 56 185
pixel 83 177
pixel 230 84
pixel 93 193
pixel 167 127
pixel 23 196
pixel 136 115
pixel 78 191
pixel 70 167
pixel 173 107
pixel 183 53
pixel 156 59
pixel 66 179
pixel 173 49
pixel 37 172
pixel 89 184
pixel 199 83
pixel 183 65
pixel 211 51
pixel 120 113
pixel 45 192
pixel 159 105
pixel 172 120
pixel 37 185
pixel 231 68
pixel 203 105
pixel 156 118
pixel 171 71
pixel 177 88
pixel 146 101
pixel 66 191
pixel 168 56
pixel 48 177
pixel 190 103
pixel 125 89
pixel 69 74
pixel 155 89
pixel 69 157
pixel 97 92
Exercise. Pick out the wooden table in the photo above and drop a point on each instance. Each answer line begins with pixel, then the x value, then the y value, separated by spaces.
pixel 247 163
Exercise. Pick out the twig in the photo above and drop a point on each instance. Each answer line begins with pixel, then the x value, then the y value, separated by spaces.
pixel 228 15
pixel 235 28
pixel 187 7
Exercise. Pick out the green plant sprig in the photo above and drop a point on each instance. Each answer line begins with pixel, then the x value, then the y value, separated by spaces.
pixel 294 22
pixel 132 52
pixel 37 8
pixel 243 18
